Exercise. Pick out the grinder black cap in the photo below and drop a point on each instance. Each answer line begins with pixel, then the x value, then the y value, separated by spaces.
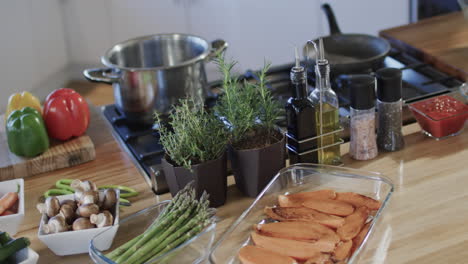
pixel 362 91
pixel 388 84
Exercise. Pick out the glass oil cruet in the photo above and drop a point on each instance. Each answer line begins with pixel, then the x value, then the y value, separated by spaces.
pixel 327 116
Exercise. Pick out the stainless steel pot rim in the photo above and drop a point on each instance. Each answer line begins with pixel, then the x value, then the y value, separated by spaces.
pixel 202 56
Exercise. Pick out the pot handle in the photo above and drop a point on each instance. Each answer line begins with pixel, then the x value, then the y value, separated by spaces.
pixel 217 46
pixel 334 28
pixel 105 75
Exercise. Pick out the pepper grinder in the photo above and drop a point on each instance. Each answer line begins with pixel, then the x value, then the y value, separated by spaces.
pixel 389 108
pixel 363 143
pixel 300 114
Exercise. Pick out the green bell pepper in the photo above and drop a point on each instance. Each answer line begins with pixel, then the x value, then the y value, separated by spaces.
pixel 26 132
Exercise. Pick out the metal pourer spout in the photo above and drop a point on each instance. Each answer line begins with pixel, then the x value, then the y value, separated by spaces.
pixel 311 42
pixel 298 73
pixel 321 50
pixel 321 64
pixel 298 62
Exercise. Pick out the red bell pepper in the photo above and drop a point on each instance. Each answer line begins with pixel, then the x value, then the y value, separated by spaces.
pixel 66 114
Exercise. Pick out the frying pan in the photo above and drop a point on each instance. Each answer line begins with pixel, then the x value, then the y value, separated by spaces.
pixel 350 53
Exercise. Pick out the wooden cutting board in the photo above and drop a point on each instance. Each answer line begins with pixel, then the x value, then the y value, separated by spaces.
pixel 441 41
pixel 59 155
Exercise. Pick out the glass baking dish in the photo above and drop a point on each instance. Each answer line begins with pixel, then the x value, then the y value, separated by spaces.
pixel 195 250
pixel 299 178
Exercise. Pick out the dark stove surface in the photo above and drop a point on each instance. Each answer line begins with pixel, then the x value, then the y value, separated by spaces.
pixel 420 81
pixel 143 143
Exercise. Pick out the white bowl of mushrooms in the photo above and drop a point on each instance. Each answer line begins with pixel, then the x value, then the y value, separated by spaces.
pixel 69 222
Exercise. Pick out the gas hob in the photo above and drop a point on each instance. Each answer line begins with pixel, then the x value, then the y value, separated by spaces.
pixel 420 81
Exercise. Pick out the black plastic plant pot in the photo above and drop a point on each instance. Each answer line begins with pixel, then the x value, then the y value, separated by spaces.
pixel 253 169
pixel 210 176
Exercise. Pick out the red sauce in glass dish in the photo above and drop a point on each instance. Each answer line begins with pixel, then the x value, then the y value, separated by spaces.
pixel 440 116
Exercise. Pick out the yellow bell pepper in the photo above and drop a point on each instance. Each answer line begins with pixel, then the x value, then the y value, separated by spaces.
pixel 18 101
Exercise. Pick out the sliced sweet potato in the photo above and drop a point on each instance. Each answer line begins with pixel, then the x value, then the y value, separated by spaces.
pixel 296 199
pixel 358 200
pixel 319 258
pixel 257 255
pixel 296 249
pixel 342 250
pixel 7 212
pixel 329 206
pixel 298 230
pixel 353 224
pixel 303 214
pixel 357 241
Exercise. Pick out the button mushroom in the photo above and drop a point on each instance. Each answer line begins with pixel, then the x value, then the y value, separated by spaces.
pixel 81 187
pixel 78 194
pixel 86 210
pixel 56 224
pixel 72 203
pixel 89 197
pixel 82 223
pixel 85 185
pixel 51 206
pixel 103 219
pixel 68 213
pixel 109 200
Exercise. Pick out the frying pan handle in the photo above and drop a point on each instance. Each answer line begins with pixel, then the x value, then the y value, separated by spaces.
pixel 334 28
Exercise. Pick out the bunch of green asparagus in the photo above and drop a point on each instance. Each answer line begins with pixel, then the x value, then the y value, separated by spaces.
pixel 183 218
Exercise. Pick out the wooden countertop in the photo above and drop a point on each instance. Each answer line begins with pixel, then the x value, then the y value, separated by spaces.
pixel 425 222
pixel 427 216
pixel 441 41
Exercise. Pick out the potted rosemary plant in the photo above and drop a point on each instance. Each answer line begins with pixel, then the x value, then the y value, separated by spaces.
pixel 256 145
pixel 195 146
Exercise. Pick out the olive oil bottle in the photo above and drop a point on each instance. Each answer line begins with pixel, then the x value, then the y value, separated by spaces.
pixel 330 119
pixel 326 118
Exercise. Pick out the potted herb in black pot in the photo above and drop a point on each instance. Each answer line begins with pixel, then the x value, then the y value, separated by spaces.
pixel 256 146
pixel 195 146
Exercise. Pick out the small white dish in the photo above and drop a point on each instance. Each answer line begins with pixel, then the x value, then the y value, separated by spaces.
pixel 76 242
pixel 11 223
pixel 26 256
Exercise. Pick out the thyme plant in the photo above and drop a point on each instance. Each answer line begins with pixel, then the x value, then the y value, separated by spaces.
pixel 248 108
pixel 195 136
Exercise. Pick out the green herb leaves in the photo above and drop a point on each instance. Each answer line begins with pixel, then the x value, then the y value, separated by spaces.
pixel 248 108
pixel 197 136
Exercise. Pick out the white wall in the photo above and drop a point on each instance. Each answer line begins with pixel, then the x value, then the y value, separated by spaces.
pixel 94 26
pixel 33 45
pixel 367 16
pixel 40 38
pixel 254 29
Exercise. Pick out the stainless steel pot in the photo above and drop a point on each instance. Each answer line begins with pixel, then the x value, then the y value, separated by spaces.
pixel 153 72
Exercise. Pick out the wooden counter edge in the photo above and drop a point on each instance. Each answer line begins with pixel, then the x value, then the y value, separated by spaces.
pixel 443 66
